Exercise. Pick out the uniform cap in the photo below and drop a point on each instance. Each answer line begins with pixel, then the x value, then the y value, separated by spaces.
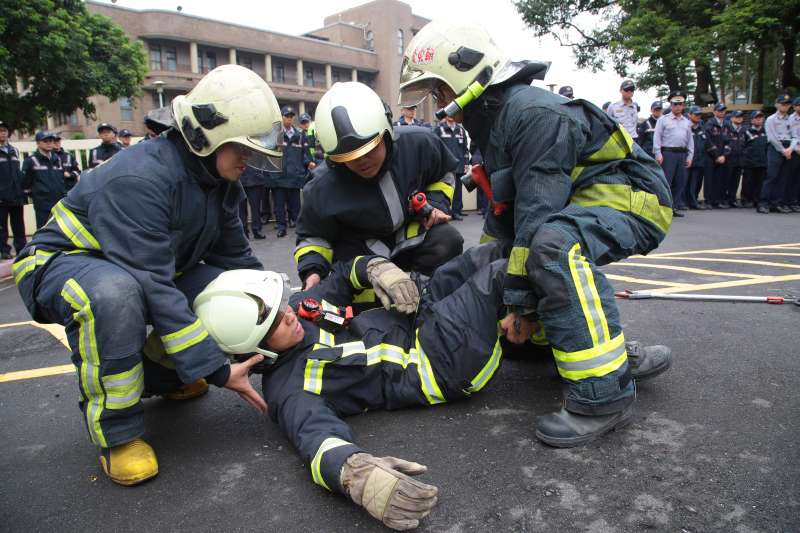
pixel 737 113
pixel 305 117
pixel 44 134
pixel 656 105
pixel 605 106
pixel 756 113
pixel 783 99
pixel 695 110
pixel 678 96
pixel 796 101
pixel 566 91
pixel 57 135
pixel 5 125
pixel 287 110
pixel 106 126
pixel 720 107
pixel 124 133
pixel 627 85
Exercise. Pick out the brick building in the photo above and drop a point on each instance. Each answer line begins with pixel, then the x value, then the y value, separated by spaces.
pixel 365 43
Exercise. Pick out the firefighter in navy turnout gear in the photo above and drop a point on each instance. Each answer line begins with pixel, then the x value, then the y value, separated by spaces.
pixel 736 138
pixel 455 137
pixel 673 147
pixel 72 172
pixel 754 159
pixel 133 242
pixel 699 161
pixel 310 142
pixel 359 201
pixel 286 187
pixel 12 200
pixel 108 148
pixel 648 127
pixel 43 177
pixel 446 351
pixel 580 194
pixel 717 149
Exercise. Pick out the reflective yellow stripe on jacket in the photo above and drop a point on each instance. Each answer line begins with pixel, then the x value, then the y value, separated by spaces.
pixel 184 338
pixel 621 197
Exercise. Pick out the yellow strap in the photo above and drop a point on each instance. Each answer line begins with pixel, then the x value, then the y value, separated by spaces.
pixel 517 260
pixel 618 146
pixel 327 253
pixel 621 197
pixel 445 188
pixel 328 444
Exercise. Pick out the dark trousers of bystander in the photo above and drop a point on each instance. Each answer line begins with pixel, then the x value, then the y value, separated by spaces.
pixel 752 181
pixel 714 178
pixel 693 185
pixel 17 216
pixel 775 190
pixel 674 166
pixel 732 184
pixel 286 200
pixel 254 198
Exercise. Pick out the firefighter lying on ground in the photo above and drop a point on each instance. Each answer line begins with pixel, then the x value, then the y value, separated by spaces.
pixel 358 201
pixel 322 370
pixel 132 244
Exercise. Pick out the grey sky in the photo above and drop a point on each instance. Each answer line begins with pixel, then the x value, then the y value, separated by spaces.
pixel 499 16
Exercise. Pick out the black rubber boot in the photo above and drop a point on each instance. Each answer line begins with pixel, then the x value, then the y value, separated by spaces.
pixel 646 362
pixel 568 430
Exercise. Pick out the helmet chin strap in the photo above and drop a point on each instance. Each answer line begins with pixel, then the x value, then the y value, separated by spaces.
pixel 270 356
pixel 472 93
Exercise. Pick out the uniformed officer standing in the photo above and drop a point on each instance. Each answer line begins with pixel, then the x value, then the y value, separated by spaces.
pixel 736 139
pixel 793 187
pixel 779 155
pixel 69 164
pixel 673 146
pixel 408 118
pixel 134 242
pixel 580 194
pixel 754 159
pixel 254 182
pixel 286 187
pixel 310 141
pixel 106 149
pixel 626 112
pixel 567 92
pixel 699 161
pixel 43 177
pixel 125 138
pixel 455 137
pixel 646 129
pixel 718 150
pixel 12 200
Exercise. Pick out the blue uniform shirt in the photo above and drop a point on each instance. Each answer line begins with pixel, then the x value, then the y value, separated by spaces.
pixel 794 127
pixel 779 129
pixel 675 132
pixel 625 114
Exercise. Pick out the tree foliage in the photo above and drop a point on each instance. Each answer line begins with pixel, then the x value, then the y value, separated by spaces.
pixel 707 45
pixel 54 55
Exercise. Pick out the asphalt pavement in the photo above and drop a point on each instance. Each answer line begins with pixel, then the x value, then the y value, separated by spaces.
pixel 713 445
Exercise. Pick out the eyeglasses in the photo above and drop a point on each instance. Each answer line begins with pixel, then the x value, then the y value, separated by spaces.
pixel 628 90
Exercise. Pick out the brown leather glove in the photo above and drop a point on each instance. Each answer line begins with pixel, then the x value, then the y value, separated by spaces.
pixel 392 286
pixel 382 486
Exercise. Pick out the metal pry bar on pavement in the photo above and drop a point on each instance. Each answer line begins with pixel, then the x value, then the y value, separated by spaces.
pixel 645 295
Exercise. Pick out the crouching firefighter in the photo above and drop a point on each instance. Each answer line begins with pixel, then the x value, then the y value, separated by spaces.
pixel 359 201
pixel 133 242
pixel 580 194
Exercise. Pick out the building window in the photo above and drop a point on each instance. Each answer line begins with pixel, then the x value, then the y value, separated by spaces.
pixel 125 109
pixel 336 76
pixel 401 46
pixel 278 74
pixel 73 119
pixel 370 40
pixel 246 62
pixel 155 57
pixel 208 60
pixel 172 58
pixel 309 77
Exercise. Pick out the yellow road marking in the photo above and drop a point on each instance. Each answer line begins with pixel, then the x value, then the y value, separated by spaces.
pixel 646 281
pixel 722 260
pixel 56 330
pixel 734 283
pixel 690 269
pixel 759 253
pixel 37 373
pixel 738 249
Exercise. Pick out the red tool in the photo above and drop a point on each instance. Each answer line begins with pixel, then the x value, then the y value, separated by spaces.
pixel 645 295
pixel 477 177
pixel 419 206
pixel 331 320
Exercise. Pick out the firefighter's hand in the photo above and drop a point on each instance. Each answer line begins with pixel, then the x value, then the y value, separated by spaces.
pixel 660 159
pixel 517 328
pixel 311 280
pixel 392 286
pixel 239 381
pixel 436 217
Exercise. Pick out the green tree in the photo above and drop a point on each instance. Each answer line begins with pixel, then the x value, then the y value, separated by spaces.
pixel 54 55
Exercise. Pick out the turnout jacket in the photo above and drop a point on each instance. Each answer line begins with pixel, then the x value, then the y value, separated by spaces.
pixel 102 152
pixel 755 148
pixel 542 153
pixel 10 176
pixel 155 211
pixel 339 205
pixel 44 177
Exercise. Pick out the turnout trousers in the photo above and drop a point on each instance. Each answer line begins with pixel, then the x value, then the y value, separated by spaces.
pixel 576 302
pixel 102 308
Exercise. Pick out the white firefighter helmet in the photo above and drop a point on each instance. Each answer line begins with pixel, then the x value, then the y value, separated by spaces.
pixel 351 120
pixel 460 55
pixel 241 308
pixel 231 104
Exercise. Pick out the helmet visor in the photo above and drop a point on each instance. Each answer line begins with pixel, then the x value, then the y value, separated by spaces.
pixel 265 310
pixel 264 152
pixel 416 92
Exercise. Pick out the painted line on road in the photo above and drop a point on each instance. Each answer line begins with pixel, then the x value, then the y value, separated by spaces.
pixel 733 283
pixel 722 260
pixel 785 254
pixel 658 283
pixel 56 330
pixel 37 373
pixel 738 249
pixel 689 269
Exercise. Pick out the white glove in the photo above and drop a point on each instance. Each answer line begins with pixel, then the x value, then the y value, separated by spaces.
pixel 392 285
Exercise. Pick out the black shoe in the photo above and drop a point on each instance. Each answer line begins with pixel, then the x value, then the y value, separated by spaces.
pixel 677 213
pixel 764 210
pixel 737 203
pixel 722 205
pixel 748 205
pixel 281 233
pixel 291 224
pixel 5 255
pixel 647 362
pixel 795 208
pixel 567 430
pixel 783 209
pixel 258 235
pixel 464 214
pixel 694 207
pixel 682 208
pixel 705 207
pixel 457 217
